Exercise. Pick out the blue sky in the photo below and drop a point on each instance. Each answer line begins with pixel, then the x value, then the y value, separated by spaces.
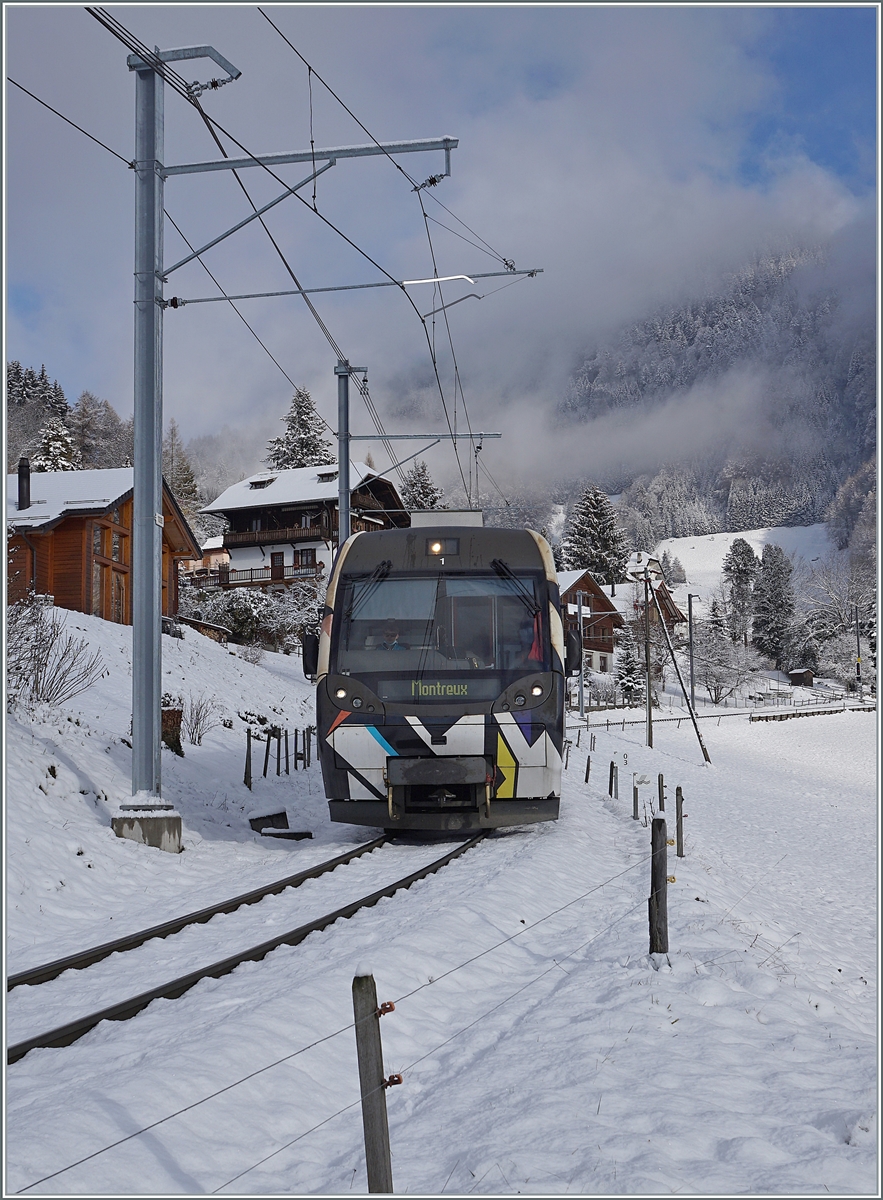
pixel 636 154
pixel 825 63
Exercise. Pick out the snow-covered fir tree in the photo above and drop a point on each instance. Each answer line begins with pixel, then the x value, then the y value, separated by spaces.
pixel 177 471
pixel 101 437
pixel 773 605
pixel 629 672
pixel 57 451
pixel 418 490
pixel 32 401
pixel 740 568
pixel 302 443
pixel 593 540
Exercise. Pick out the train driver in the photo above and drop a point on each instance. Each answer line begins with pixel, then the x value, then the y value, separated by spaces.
pixel 391 638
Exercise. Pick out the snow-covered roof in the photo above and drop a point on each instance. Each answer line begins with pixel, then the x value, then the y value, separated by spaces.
pixel 639 561
pixel 213 543
pixel 299 485
pixel 623 600
pixel 566 579
pixel 56 493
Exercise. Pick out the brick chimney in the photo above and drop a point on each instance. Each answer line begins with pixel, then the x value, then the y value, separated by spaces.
pixel 24 483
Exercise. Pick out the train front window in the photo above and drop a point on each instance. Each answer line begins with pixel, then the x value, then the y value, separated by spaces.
pixel 422 625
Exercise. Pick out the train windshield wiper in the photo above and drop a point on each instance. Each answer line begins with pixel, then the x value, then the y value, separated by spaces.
pixel 373 583
pixel 505 572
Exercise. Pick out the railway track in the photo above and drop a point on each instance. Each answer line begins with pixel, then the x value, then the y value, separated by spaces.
pixel 65 1035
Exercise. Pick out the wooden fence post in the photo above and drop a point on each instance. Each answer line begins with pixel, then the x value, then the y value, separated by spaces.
pixel 634 802
pixel 615 782
pixel 278 751
pixel 295 749
pixel 588 766
pixel 679 814
pixel 661 793
pixel 267 754
pixel 610 781
pixel 247 779
pixel 372 1084
pixel 287 760
pixel 658 902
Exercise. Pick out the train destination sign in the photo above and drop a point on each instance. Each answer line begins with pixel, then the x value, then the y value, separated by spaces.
pixel 437 691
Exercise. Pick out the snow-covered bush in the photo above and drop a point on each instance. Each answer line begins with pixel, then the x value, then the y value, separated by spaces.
pixel 201 713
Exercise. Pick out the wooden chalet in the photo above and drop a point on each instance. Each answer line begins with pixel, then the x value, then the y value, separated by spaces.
pixel 70 536
pixel 600 617
pixel 639 565
pixel 283 524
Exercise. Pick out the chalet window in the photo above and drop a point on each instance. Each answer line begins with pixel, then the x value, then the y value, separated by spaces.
pixel 97 573
pixel 602 662
pixel 308 558
pixel 255 524
pixel 115 516
pixel 97 532
pixel 261 483
pixel 118 609
pixel 116 547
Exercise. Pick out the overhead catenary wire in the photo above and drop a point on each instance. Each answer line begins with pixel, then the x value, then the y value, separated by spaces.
pixel 79 128
pixel 184 89
pixel 336 1033
pixel 177 228
pixel 418 189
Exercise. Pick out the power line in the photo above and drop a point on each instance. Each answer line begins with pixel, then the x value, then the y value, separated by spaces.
pixel 79 128
pixel 212 125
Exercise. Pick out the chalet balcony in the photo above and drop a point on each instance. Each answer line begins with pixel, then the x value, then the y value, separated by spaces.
pixel 225 577
pixel 270 537
pixel 297 533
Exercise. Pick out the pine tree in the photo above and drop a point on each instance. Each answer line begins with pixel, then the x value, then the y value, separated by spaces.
pixel 739 570
pixel 629 671
pixel 593 540
pixel 302 444
pixel 15 393
pixel 178 472
pixel 57 451
pixel 99 434
pixel 418 490
pixel 773 605
pixel 678 574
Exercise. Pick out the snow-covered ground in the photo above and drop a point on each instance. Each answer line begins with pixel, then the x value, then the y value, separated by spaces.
pixel 543 1050
pixel 702 556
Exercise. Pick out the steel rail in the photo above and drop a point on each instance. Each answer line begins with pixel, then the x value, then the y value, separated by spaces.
pixel 65 1035
pixel 85 958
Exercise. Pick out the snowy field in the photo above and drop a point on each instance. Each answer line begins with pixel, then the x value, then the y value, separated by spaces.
pixel 543 1050
pixel 702 556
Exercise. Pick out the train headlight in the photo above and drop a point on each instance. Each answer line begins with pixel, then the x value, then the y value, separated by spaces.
pixel 357 701
pixel 537 689
pixel 519 700
pixel 435 547
pixel 340 693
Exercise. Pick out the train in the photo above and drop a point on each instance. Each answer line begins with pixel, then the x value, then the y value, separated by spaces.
pixel 440 671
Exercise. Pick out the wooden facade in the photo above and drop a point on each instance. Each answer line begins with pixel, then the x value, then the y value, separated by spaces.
pixel 84 559
pixel 601 619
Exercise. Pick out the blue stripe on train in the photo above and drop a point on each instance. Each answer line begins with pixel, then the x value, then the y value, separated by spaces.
pixel 378 737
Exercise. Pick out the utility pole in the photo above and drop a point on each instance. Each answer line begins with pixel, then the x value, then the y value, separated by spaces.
pixel 647 657
pixel 690 599
pixel 858 657
pixel 343 370
pixel 147 502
